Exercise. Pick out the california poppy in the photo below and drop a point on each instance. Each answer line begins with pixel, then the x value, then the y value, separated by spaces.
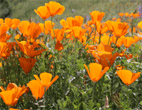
pixel 97 16
pixel 109 25
pixel 140 24
pixel 106 58
pixel 39 86
pixel 78 32
pixel 55 8
pixel 119 67
pixel 121 14
pixel 3 35
pixel 127 76
pixel 43 12
pixel 128 41
pixel 101 27
pixel 30 30
pixel 30 50
pixel 15 23
pixel 5 49
pixel 27 64
pixel 71 22
pixel 95 72
pixel 48 26
pixel 11 95
pixel 59 46
pixel 119 28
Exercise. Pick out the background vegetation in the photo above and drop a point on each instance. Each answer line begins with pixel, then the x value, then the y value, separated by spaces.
pixel 24 9
pixel 74 89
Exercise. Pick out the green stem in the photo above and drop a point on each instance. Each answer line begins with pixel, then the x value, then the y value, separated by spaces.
pixel 99 38
pixel 93 91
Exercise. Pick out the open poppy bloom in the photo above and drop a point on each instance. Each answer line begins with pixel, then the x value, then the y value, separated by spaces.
pixel 48 26
pixel 39 86
pixel 11 23
pixel 95 72
pixel 43 12
pixel 71 22
pixel 50 9
pixel 30 30
pixel 119 28
pixel 127 76
pixel 106 59
pixel 78 32
pixel 5 49
pixel 30 50
pixel 54 8
pixel 12 93
pixel 27 64
pixel 3 35
pixel 128 41
pixel 101 27
pixel 97 16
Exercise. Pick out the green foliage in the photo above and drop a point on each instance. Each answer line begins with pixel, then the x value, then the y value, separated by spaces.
pixel 5 10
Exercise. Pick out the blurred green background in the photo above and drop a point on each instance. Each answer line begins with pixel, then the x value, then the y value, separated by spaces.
pixel 24 9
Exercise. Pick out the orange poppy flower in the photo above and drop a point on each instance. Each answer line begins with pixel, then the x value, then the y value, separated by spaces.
pixel 5 49
pixel 120 41
pixel 96 16
pixel 114 18
pixel 128 41
pixel 12 93
pixel 102 47
pixel 54 8
pixel 95 72
pixel 101 27
pixel 58 34
pixel 109 25
pixel 3 36
pixel 119 67
pixel 135 15
pixel 128 56
pixel 120 28
pixel 11 23
pixel 78 32
pixel 39 86
pixel 127 76
pixel 48 26
pixel 31 30
pixel 8 22
pixel 15 23
pixel 121 14
pixel 127 14
pixel 1 21
pixel 43 12
pixel 140 24
pixel 30 50
pixel 106 59
pixel 106 40
pixel 71 22
pixel 59 46
pixel 27 64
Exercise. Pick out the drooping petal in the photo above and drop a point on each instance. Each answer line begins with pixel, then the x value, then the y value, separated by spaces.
pixel 53 80
pixel 8 97
pixel 11 86
pixel 27 64
pixel 125 76
pixel 36 88
pixel 135 76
